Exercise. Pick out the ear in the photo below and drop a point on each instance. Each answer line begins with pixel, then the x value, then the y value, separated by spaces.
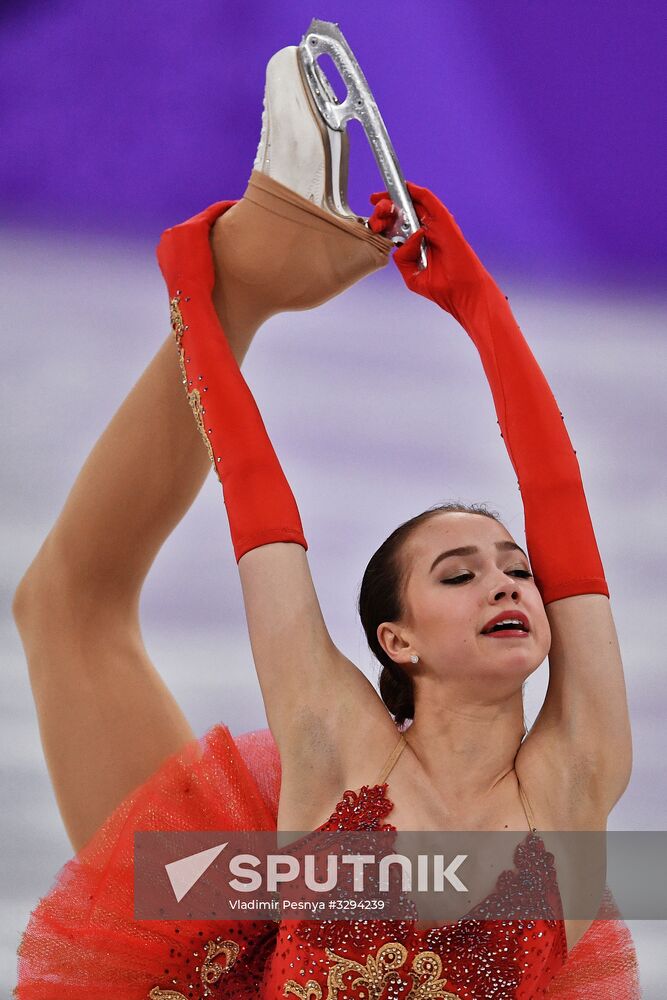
pixel 396 642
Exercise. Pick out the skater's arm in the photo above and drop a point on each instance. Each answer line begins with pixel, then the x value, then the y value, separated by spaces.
pixel 313 693
pixel 584 722
pixel 307 684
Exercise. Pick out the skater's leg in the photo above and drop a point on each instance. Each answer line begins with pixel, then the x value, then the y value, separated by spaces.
pixel 277 251
pixel 106 718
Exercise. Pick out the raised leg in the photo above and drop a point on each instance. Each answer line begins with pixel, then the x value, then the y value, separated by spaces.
pixel 106 718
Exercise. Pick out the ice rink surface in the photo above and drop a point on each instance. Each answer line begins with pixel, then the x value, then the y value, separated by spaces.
pixel 378 408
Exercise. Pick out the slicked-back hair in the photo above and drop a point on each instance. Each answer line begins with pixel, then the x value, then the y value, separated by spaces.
pixel 381 600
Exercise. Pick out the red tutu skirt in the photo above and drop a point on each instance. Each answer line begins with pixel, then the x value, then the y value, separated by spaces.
pixel 83 943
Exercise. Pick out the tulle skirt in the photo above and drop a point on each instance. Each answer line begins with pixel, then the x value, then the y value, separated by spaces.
pixel 83 943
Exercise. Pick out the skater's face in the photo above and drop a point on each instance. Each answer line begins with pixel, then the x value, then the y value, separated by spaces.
pixel 461 572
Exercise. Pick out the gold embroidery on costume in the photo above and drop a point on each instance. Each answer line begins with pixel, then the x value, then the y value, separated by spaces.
pixel 176 319
pixel 311 991
pixel 428 966
pixel 194 397
pixel 374 975
pixel 209 972
pixel 379 974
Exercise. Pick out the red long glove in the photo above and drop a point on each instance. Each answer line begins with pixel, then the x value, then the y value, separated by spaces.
pixel 260 505
pixel 559 533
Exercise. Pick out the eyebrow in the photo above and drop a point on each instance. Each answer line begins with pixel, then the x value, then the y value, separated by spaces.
pixel 471 550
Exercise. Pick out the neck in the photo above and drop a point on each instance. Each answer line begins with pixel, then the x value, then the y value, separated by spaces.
pixel 466 746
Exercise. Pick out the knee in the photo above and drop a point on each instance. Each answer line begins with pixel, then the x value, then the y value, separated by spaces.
pixel 31 596
pixel 25 598
pixel 43 585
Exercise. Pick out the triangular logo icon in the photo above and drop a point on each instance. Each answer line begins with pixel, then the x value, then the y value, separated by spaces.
pixel 184 873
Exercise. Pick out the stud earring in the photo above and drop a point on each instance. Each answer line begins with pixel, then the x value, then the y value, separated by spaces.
pixel 414 658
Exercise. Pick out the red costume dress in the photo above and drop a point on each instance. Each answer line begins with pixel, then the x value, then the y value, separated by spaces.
pixel 472 957
pixel 82 941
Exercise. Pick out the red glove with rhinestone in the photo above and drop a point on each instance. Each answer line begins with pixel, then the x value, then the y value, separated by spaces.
pixel 260 505
pixel 559 533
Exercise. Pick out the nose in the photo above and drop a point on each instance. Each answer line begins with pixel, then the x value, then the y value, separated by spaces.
pixel 502 590
pixel 498 595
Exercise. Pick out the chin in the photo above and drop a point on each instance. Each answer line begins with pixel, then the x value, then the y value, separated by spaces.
pixel 529 665
pixel 520 665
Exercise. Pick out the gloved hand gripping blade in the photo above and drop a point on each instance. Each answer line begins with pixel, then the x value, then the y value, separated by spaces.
pixel 326 38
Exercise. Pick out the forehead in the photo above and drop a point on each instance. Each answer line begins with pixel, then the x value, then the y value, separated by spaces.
pixel 451 531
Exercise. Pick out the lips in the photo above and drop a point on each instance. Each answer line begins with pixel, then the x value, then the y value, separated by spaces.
pixel 521 630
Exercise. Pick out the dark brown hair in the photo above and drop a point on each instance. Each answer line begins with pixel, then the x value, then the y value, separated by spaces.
pixel 381 600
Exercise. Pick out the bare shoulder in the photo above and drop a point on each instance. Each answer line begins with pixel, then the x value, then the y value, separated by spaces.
pixel 319 704
pixel 341 740
pixel 344 727
pixel 584 723
pixel 562 789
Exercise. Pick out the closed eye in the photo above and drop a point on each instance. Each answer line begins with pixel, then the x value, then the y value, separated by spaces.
pixel 523 574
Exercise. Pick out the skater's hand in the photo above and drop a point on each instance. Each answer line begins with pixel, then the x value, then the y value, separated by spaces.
pixel 453 273
pixel 384 214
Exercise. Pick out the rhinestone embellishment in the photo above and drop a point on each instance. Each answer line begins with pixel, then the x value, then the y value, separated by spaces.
pixel 379 978
pixel 194 398
pixel 209 973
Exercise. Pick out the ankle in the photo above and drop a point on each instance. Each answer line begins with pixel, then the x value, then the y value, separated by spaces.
pixel 276 252
pixel 239 329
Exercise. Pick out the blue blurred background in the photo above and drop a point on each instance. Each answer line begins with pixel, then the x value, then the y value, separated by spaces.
pixel 541 125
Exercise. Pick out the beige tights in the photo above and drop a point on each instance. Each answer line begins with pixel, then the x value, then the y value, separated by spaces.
pixel 277 252
pixel 107 720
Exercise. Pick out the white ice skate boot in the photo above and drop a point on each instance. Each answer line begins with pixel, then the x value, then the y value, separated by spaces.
pixel 304 143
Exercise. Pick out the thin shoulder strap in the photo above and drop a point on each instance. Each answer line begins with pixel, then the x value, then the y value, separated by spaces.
pixel 526 808
pixel 391 760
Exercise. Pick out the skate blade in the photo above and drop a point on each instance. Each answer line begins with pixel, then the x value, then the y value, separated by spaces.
pixel 326 38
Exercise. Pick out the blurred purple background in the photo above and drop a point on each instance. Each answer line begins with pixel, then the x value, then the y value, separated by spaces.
pixel 541 124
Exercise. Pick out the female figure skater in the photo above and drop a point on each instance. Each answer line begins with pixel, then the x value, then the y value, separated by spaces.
pixel 450 605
